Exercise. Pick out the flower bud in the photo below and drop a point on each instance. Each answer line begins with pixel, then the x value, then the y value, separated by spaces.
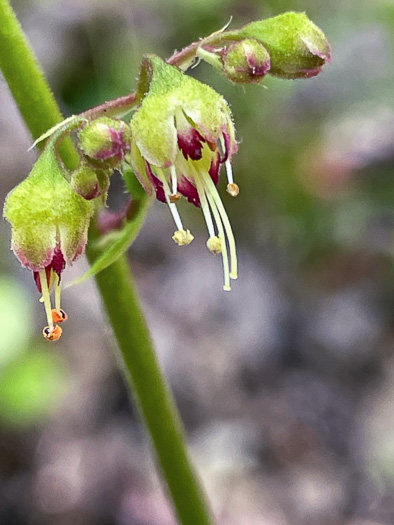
pixel 84 181
pixel 246 61
pixel 105 141
pixel 297 47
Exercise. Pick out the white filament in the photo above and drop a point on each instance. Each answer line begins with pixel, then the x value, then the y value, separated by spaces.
pixel 213 193
pixel 46 298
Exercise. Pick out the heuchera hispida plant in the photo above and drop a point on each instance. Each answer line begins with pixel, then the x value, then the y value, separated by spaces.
pixel 173 134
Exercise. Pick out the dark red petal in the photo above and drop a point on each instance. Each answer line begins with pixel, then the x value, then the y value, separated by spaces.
pixel 117 149
pixel 58 263
pixel 36 277
pixel 157 184
pixel 214 169
pixel 226 151
pixel 190 142
pixel 189 191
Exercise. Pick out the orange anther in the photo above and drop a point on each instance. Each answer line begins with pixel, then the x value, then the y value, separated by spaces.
pixel 59 315
pixel 52 335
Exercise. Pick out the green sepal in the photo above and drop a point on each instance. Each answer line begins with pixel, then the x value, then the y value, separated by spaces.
pixel 170 90
pixel 63 127
pixel 44 211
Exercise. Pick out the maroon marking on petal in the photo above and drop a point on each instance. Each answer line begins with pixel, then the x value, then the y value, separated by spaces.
pixel 36 277
pixel 214 169
pixel 190 143
pixel 186 188
pixel 257 69
pixel 157 184
pixel 58 263
pixel 118 146
pixel 227 143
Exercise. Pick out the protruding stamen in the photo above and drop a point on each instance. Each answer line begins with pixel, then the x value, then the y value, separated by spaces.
pixel 58 292
pixel 173 209
pixel 46 299
pixel 219 225
pixel 203 202
pixel 174 180
pixel 183 237
pixel 52 334
pixel 213 193
pixel 233 189
pixel 229 171
pixel 215 245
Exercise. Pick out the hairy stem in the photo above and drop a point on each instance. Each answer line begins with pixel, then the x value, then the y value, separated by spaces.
pixel 40 112
pixel 27 83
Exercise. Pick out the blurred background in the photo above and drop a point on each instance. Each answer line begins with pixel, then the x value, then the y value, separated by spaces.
pixel 286 384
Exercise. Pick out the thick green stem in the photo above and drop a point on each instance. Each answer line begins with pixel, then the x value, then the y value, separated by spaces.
pixel 27 82
pixel 40 112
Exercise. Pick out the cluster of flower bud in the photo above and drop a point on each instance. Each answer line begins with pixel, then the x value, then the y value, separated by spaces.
pixel 287 46
pixel 103 144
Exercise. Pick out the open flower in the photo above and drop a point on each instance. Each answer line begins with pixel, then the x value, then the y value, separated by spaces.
pixel 49 230
pixel 181 136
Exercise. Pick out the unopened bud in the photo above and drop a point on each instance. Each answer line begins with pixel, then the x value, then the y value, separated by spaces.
pixel 84 181
pixel 297 47
pixel 246 61
pixel 105 141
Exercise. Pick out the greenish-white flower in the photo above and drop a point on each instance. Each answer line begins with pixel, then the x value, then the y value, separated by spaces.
pixel 181 136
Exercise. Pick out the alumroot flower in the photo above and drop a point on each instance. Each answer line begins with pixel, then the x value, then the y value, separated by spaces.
pixel 49 230
pixel 181 136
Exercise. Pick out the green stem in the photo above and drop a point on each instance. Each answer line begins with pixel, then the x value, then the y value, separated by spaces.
pixel 27 82
pixel 40 112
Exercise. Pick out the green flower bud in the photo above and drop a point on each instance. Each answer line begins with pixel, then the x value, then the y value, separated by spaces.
pixel 84 181
pixel 105 141
pixel 49 224
pixel 297 47
pixel 246 61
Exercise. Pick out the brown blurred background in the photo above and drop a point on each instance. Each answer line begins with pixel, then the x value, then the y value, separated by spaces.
pixel 286 384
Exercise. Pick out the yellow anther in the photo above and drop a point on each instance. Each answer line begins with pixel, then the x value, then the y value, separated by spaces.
pixel 215 244
pixel 175 197
pixel 182 237
pixel 233 189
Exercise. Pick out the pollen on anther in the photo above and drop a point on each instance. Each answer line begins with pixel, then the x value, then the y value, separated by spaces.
pixel 175 197
pixel 52 335
pixel 59 315
pixel 233 189
pixel 183 237
pixel 215 245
